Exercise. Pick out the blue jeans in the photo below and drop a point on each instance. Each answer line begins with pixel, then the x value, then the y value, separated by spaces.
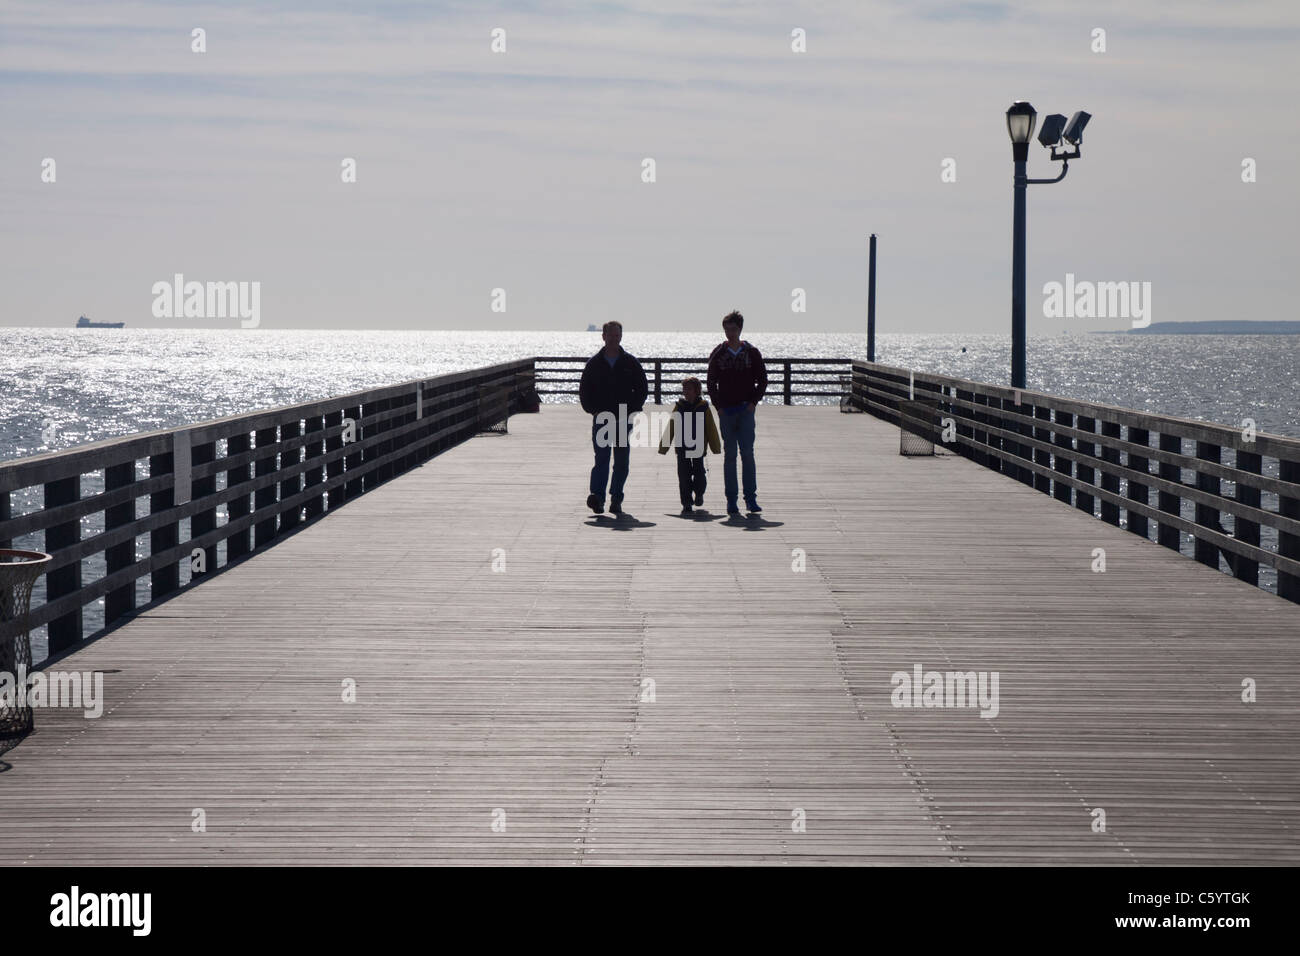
pixel 600 471
pixel 738 429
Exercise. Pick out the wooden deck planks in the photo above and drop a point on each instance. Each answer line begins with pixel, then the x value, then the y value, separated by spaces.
pixel 522 690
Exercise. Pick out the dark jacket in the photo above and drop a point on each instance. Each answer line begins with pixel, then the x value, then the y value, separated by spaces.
pixel 604 388
pixel 736 379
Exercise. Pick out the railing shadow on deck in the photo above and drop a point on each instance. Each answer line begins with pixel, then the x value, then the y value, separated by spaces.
pixel 1099 459
pixel 269 471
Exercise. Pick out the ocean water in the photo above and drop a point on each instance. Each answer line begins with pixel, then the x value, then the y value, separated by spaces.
pixel 64 387
pixel 92 384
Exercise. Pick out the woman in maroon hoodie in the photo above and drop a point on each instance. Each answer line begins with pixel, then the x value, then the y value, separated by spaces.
pixel 737 380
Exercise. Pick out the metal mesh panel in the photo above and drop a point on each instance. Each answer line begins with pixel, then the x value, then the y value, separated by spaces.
pixel 525 394
pixel 846 395
pixel 493 409
pixel 917 426
pixel 18 572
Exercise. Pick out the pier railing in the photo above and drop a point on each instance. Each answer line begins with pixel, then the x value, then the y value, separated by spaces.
pixel 212 493
pixel 217 491
pixel 787 378
pixel 1160 477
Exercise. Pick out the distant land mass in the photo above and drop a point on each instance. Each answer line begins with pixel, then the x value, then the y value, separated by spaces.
pixel 1228 327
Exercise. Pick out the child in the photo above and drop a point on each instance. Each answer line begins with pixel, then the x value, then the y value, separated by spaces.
pixel 698 430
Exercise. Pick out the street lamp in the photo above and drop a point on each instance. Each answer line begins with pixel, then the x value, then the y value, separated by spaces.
pixel 1021 118
pixel 1020 125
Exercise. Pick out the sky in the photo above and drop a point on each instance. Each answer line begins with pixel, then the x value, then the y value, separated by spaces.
pixel 524 170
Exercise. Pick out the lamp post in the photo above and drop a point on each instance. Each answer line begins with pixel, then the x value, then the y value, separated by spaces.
pixel 871 302
pixel 1021 118
pixel 1020 124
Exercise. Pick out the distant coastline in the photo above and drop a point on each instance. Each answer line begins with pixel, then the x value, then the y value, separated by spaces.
pixel 1227 327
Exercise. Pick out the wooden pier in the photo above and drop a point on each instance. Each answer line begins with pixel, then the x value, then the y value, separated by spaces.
pixel 537 685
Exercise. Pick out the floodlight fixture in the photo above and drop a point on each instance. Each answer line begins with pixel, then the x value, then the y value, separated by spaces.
pixel 1050 134
pixel 1073 133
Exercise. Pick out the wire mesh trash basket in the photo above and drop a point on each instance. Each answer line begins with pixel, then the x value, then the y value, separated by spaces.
pixel 493 409
pixel 18 572
pixel 846 395
pixel 525 394
pixel 918 422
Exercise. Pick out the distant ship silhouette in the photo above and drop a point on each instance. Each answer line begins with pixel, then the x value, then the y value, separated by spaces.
pixel 592 328
pixel 85 323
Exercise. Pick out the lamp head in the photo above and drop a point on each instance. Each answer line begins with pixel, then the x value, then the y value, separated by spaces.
pixel 1020 121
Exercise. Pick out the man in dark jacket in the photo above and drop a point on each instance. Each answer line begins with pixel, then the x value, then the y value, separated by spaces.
pixel 613 389
pixel 737 380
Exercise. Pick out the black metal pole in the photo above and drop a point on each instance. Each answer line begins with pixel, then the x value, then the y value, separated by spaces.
pixel 1020 153
pixel 871 303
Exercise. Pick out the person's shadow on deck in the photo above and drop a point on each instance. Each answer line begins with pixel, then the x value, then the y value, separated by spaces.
pixel 623 522
pixel 750 522
pixel 698 514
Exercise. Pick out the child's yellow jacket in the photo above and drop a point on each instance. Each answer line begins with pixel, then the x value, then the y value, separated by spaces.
pixel 711 438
